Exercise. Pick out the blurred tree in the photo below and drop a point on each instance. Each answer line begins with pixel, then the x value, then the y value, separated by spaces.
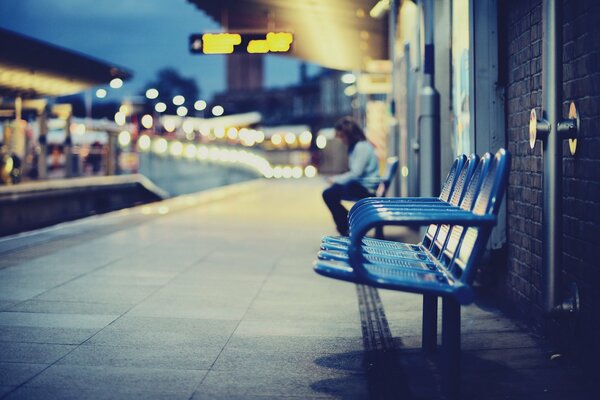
pixel 169 84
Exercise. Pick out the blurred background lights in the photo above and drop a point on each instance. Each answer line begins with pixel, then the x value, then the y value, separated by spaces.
pixel 276 139
pixel 169 125
pixel 160 107
pixel 190 151
pixel 297 172
pixel 348 78
pixel 200 105
pixel 120 118
pixel 151 93
pixel 219 132
pixel 350 90
pixel 310 171
pixel 202 153
pixel 232 133
pixel 290 138
pixel 188 126
pixel 176 148
pixel 182 111
pixel 204 130
pixel 259 136
pixel 147 121
pixel 101 93
pixel 144 143
pixel 124 138
pixel 217 111
pixel 287 172
pixel 78 129
pixel 116 83
pixel 321 142
pixel 178 100
pixel 305 138
pixel 160 146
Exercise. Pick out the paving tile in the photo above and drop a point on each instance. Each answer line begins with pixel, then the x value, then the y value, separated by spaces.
pixel 80 321
pixel 6 304
pixel 142 331
pixel 301 344
pixel 118 378
pixel 30 334
pixel 15 374
pixel 99 393
pixel 6 389
pixel 288 360
pixel 293 327
pixel 117 294
pixel 163 356
pixel 10 293
pixel 33 353
pixel 189 311
pixel 302 310
pixel 70 307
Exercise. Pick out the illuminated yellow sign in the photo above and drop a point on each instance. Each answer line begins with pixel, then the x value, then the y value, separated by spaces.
pixel 279 42
pixel 220 43
pixel 228 43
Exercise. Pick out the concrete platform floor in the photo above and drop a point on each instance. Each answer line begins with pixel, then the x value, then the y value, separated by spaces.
pixel 212 296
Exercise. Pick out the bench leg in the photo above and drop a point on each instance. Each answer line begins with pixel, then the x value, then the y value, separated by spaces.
pixel 429 328
pixel 451 348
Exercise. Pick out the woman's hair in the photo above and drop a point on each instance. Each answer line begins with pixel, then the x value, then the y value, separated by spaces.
pixel 350 129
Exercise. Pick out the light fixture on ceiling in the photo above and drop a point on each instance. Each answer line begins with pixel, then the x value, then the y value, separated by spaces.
pixel 380 8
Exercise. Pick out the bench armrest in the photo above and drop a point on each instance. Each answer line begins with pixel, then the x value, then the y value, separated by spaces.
pixel 407 215
pixel 367 222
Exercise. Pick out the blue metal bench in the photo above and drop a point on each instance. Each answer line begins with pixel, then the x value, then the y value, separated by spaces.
pixel 467 231
pixel 336 247
pixel 329 242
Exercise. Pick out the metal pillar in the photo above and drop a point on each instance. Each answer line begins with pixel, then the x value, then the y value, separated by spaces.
pixel 429 115
pixel 43 142
pixel 553 131
pixel 394 129
pixel 450 348
pixel 429 323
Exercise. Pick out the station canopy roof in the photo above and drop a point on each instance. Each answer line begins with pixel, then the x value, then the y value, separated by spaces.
pixel 30 68
pixel 338 34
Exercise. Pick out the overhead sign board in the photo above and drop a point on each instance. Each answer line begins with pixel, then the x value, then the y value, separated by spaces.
pixel 246 43
pixel 374 83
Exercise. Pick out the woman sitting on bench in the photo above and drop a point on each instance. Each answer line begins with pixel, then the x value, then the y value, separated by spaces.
pixel 352 185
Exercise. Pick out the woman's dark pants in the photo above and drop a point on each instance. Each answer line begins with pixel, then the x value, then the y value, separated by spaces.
pixel 333 197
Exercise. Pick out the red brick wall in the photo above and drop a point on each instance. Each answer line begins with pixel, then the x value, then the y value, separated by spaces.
pixel 521 285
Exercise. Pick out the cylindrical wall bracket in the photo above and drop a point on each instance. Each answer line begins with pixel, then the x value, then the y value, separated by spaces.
pixel 537 127
pixel 569 128
pixel 565 129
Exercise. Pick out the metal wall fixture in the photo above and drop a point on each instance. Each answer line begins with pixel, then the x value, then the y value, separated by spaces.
pixel 552 130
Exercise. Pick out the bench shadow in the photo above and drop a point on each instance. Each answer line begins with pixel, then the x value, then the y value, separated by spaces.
pixel 382 370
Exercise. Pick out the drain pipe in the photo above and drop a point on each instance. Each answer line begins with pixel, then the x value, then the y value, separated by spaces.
pixel 552 131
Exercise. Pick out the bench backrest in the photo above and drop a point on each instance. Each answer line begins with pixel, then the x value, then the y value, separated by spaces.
pixel 465 245
pixel 435 238
pixel 450 181
pixel 388 177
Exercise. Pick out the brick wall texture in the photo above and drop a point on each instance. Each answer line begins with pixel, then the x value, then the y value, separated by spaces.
pixel 521 282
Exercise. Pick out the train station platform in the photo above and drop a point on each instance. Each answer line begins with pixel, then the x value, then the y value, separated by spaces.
pixel 212 296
